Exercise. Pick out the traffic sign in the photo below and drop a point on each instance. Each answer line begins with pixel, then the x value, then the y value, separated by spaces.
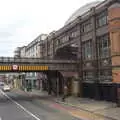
pixel 15 67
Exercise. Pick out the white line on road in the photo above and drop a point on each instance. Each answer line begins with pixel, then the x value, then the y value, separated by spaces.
pixel 20 106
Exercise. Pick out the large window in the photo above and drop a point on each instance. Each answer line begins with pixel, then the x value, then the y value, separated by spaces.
pixel 86 26
pixel 101 19
pixel 48 45
pixel 105 75
pixel 87 50
pixel 88 76
pixel 65 38
pixel 103 44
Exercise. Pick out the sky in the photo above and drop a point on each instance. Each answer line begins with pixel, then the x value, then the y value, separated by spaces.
pixel 21 21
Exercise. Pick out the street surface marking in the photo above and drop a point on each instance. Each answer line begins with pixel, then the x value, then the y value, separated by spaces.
pixel 0 118
pixel 20 106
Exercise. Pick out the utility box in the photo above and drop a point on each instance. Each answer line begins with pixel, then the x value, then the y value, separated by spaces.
pixel 76 88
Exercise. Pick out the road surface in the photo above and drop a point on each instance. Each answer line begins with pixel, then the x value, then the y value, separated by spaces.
pixel 20 107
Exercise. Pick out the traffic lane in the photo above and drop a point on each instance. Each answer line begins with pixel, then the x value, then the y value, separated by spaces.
pixel 43 101
pixel 41 108
pixel 10 111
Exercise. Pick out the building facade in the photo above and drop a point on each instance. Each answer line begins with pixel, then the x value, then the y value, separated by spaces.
pixel 91 37
pixel 23 51
pixel 17 52
pixel 32 50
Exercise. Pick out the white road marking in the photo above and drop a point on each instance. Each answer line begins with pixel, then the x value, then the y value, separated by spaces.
pixel 20 106
pixel 0 118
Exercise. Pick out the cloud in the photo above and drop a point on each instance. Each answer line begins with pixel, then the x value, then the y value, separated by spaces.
pixel 21 21
pixel 5 34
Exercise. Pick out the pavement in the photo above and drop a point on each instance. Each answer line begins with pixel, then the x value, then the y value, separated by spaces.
pixel 82 108
pixel 17 105
pixel 101 108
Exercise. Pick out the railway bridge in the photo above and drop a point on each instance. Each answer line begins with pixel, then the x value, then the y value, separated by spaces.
pixel 54 69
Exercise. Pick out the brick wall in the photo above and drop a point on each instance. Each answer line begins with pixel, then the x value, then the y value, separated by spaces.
pixel 114 29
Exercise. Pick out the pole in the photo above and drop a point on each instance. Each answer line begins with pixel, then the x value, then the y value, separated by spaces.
pixel 57 87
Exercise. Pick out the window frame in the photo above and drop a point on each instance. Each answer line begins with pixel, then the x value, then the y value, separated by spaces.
pixel 102 51
pixel 86 26
pixel 87 49
pixel 102 16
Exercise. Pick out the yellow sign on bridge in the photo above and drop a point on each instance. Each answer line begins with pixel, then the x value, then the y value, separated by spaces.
pixel 32 68
pixel 5 68
pixel 23 68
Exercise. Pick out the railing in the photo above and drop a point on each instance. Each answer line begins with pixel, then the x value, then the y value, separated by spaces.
pixel 33 60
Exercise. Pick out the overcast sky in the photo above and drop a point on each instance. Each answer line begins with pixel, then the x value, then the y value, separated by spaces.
pixel 21 21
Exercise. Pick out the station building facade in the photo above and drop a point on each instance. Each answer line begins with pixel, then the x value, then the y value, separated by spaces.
pixel 90 36
pixel 93 32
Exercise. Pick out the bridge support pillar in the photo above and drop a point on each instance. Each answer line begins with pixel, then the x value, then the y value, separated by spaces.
pixel 49 83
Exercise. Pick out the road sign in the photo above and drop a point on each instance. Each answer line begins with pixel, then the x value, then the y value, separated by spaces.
pixel 15 67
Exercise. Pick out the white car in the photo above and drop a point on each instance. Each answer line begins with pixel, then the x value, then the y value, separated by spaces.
pixel 6 88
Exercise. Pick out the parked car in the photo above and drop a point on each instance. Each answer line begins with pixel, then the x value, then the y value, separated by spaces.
pixel 1 85
pixel 6 88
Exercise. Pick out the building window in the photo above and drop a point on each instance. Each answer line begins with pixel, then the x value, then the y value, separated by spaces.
pixel 34 83
pixel 57 42
pixel 86 26
pixel 105 75
pixel 104 62
pixel 87 50
pixel 102 19
pixel 48 45
pixel 74 34
pixel 103 44
pixel 64 39
pixel 88 76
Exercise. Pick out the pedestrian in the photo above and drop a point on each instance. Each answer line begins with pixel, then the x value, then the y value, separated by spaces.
pixel 65 93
